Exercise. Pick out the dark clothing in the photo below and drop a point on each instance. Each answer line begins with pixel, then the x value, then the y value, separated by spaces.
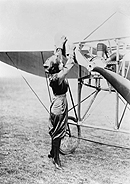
pixel 58 124
pixel 58 116
pixel 58 89
pixel 58 109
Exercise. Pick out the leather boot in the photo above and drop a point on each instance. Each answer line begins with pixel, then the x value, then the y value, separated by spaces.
pixel 56 148
pixel 51 154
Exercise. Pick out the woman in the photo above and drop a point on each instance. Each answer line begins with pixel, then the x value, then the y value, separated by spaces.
pixel 57 71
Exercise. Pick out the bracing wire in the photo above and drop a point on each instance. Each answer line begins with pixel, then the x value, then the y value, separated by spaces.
pixel 128 16
pixel 27 83
pixel 100 26
pixel 95 107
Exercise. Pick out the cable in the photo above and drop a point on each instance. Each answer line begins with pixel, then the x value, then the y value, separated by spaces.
pixel 93 109
pixel 100 26
pixel 128 16
pixel 28 83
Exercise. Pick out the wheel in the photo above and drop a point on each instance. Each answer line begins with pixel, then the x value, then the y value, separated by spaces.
pixel 71 140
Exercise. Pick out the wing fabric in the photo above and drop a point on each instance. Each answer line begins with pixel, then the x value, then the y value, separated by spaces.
pixel 32 62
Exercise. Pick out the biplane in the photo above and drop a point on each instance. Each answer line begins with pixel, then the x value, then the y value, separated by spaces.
pixel 97 60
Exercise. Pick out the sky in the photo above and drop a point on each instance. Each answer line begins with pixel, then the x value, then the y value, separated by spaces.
pixel 32 24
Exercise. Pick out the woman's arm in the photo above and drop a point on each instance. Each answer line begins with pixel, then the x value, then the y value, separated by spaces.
pixel 62 74
pixel 61 44
pixel 70 54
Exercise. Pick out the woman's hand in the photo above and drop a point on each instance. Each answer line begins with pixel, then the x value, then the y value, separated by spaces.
pixel 70 49
pixel 60 40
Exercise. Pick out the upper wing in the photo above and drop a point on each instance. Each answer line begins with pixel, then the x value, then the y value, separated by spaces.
pixel 32 62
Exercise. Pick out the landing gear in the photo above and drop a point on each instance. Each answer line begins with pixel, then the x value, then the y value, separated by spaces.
pixel 72 138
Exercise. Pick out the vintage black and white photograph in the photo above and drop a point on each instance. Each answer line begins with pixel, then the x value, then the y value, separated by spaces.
pixel 64 92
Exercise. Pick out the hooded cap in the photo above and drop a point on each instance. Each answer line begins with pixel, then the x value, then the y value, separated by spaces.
pixel 51 65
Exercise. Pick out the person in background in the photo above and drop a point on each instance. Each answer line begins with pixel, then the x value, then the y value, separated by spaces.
pixel 57 67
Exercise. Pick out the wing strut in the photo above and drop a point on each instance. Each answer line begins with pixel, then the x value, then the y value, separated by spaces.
pixel 46 79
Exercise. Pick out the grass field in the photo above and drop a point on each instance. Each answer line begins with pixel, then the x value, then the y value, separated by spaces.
pixel 25 142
